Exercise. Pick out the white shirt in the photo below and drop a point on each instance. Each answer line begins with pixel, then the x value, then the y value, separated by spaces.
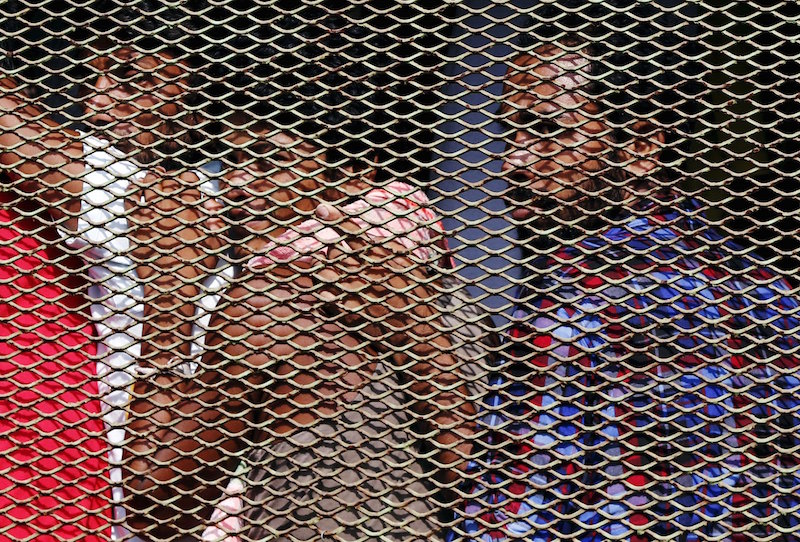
pixel 117 309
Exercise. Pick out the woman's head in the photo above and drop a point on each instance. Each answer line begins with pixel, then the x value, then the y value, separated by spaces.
pixel 135 99
pixel 272 178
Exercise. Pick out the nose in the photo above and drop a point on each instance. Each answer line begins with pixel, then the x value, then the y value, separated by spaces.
pixel 101 99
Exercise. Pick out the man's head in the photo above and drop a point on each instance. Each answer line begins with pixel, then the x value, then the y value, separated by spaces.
pixel 134 99
pixel 566 158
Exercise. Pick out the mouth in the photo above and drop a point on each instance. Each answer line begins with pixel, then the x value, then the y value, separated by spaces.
pixel 526 203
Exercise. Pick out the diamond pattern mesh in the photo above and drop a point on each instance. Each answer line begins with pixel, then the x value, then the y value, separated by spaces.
pixel 399 271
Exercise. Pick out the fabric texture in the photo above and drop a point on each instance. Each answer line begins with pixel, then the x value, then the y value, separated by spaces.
pixel 54 471
pixel 353 477
pixel 654 376
pixel 397 212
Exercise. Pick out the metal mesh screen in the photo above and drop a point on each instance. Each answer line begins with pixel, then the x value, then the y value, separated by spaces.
pixel 399 271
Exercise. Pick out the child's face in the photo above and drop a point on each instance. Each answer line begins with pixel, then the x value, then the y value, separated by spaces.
pixel 275 179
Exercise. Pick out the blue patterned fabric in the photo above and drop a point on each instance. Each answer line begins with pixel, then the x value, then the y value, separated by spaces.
pixel 649 391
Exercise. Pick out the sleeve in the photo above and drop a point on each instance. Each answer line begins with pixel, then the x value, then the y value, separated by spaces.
pixel 401 213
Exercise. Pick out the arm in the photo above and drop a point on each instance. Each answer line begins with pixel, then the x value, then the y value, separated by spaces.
pixel 389 297
pixel 175 251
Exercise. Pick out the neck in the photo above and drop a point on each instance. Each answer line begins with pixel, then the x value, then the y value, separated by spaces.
pixel 152 147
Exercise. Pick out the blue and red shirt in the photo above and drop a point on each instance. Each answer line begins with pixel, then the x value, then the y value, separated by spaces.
pixel 650 390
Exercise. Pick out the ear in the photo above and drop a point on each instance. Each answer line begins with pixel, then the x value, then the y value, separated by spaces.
pixel 644 150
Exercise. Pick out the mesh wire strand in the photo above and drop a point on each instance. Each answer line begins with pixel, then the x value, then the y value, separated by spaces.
pixel 550 294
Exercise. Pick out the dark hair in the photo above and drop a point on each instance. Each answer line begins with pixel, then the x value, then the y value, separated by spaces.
pixel 33 48
pixel 151 26
pixel 303 73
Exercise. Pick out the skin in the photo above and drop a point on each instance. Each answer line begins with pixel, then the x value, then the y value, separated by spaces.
pixel 41 159
pixel 561 147
pixel 132 102
pixel 277 180
pixel 134 98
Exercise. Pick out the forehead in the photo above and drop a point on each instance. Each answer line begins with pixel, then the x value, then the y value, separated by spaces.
pixel 163 62
pixel 549 79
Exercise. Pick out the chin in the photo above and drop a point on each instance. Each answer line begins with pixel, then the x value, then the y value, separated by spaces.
pixel 118 137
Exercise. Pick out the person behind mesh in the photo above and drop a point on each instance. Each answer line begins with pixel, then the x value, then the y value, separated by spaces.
pixel 311 346
pixel 136 129
pixel 649 388
pixel 53 454
pixel 333 342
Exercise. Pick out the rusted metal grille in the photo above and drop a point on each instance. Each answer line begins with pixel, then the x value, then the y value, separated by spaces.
pixel 399 271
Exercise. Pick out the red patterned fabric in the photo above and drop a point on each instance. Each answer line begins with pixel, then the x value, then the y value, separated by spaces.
pixel 54 484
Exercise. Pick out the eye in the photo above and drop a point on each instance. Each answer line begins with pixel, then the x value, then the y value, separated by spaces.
pixel 131 76
pixel 283 157
pixel 273 161
pixel 530 123
pixel 237 157
pixel 541 127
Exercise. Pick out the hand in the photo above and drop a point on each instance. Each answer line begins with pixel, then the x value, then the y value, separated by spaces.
pixel 174 249
pixel 388 239
pixel 167 212
pixel 373 276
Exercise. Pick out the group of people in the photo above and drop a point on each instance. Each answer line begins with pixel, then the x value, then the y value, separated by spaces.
pixel 268 350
